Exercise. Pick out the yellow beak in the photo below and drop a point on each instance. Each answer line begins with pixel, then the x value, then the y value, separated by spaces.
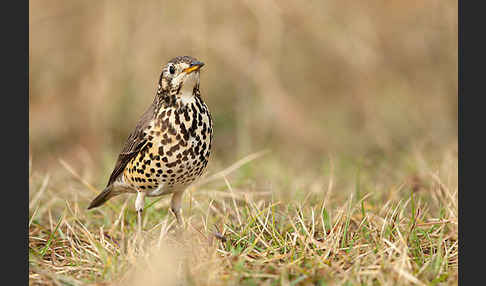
pixel 193 67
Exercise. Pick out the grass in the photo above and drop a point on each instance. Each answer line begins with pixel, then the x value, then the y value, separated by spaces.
pixel 357 102
pixel 251 224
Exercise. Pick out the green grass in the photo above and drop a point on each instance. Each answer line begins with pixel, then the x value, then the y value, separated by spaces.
pixel 328 228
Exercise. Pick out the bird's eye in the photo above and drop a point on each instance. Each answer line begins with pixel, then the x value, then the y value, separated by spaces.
pixel 172 69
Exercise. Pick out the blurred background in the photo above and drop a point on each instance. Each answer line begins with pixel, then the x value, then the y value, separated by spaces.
pixel 363 83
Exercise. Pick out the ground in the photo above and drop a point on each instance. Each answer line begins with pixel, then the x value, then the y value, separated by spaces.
pixel 257 223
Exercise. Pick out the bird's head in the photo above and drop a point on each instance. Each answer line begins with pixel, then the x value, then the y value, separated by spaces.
pixel 180 76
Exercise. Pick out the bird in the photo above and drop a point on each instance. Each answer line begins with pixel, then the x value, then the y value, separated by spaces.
pixel 171 144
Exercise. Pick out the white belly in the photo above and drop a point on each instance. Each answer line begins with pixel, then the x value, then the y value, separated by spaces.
pixel 160 190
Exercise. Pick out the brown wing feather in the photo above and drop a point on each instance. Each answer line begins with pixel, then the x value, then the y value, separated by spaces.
pixel 135 142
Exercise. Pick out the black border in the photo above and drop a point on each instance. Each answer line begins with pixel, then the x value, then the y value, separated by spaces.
pixel 15 142
pixel 471 150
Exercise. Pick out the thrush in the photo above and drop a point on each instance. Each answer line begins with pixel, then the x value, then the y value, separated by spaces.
pixel 170 146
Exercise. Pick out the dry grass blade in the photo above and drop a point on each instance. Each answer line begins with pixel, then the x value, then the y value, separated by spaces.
pixel 77 176
pixel 232 168
pixel 39 194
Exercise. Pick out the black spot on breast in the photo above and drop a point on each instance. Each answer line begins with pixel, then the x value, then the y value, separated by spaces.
pixel 172 131
pixel 170 165
pixel 174 148
pixel 203 131
pixel 186 115
pixel 198 106
pixel 184 131
pixel 167 100
pixel 164 125
pixel 193 127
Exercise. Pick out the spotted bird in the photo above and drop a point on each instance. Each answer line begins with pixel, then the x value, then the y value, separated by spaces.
pixel 170 146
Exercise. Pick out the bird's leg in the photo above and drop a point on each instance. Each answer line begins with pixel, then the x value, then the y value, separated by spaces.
pixel 175 206
pixel 139 204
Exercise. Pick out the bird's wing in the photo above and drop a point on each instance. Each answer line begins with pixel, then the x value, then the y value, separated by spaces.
pixel 134 144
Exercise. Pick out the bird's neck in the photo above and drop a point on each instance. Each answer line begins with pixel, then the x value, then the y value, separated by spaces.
pixel 177 98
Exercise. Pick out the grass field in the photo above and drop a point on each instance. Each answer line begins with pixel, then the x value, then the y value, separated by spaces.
pixel 257 224
pixel 334 162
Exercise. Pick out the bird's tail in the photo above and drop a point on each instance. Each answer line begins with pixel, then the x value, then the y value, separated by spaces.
pixel 105 195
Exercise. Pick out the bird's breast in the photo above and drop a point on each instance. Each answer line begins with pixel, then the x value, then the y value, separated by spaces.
pixel 177 149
